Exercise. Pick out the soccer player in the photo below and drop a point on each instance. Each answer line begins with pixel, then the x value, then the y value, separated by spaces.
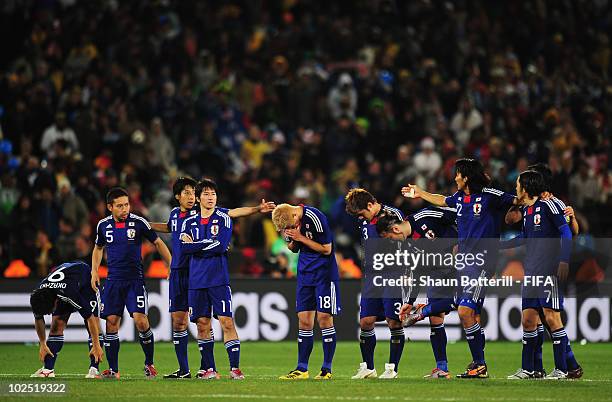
pixel 367 209
pixel 205 237
pixel 544 224
pixel 307 231
pixel 184 193
pixel 121 233
pixel 479 214
pixel 427 224
pixel 65 290
pixel 515 215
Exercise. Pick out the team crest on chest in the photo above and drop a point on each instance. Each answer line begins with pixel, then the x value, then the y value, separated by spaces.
pixel 131 233
pixel 214 230
pixel 477 208
pixel 537 219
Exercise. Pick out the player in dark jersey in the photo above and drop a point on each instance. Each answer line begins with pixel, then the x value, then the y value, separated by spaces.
pixel 121 233
pixel 206 238
pixel 65 290
pixel 317 295
pixel 515 215
pixel 184 193
pixel 479 214
pixel 428 225
pixel 548 241
pixel 361 204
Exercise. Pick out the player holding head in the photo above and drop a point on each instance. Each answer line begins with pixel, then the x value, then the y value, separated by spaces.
pixel 479 213
pixel 307 232
pixel 65 290
pixel 544 224
pixel 424 228
pixel 184 193
pixel 205 238
pixel 361 204
pixel 121 233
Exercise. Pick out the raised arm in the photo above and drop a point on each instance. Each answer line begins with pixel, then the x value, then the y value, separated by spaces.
pixel 264 207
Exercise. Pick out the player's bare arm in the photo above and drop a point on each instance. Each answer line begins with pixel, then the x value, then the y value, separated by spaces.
pixel 93 325
pixel 43 350
pixel 264 207
pixel 296 235
pixel 96 259
pixel 162 249
pixel 573 223
pixel 160 227
pixel 513 216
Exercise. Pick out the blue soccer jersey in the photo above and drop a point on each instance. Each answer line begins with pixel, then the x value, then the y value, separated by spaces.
pixel 479 216
pixel 123 241
pixel 368 228
pixel 434 223
pixel 543 224
pixel 208 266
pixel 71 282
pixel 313 267
pixel 175 224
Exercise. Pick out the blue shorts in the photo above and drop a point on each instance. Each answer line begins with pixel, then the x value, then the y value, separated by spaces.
pixel 439 305
pixel 472 295
pixel 208 302
pixel 64 309
pixel 117 295
pixel 179 290
pixel 380 308
pixel 548 295
pixel 324 297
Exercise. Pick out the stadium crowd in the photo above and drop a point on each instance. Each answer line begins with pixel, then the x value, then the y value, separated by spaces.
pixel 293 101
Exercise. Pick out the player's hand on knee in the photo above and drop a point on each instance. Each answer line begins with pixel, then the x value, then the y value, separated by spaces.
pixel 43 351
pixel 404 311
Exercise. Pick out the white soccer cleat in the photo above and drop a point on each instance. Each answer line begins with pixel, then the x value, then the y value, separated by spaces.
pixel 364 372
pixel 389 373
pixel 521 375
pixel 93 373
pixel 556 375
pixel 43 373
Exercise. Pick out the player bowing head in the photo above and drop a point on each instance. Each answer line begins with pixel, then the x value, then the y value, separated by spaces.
pixel 307 232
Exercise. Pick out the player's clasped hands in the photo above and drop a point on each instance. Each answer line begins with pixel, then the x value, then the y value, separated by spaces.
pixel 294 234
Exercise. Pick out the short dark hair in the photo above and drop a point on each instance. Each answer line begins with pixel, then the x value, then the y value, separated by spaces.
pixel 115 193
pixel 474 172
pixel 532 182
pixel 181 183
pixel 357 199
pixel 385 221
pixel 42 301
pixel 205 183
pixel 546 173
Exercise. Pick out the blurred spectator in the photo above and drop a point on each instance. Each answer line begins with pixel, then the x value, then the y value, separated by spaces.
pixel 342 98
pixel 59 131
pixel 428 161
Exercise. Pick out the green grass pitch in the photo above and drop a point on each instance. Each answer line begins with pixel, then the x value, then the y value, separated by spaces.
pixel 263 362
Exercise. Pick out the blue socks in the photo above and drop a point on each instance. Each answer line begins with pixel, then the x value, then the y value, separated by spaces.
pixel 538 365
pixel 530 342
pixel 560 341
pixel 475 339
pixel 148 345
pixel 396 346
pixel 207 360
pixel 233 353
pixel 305 344
pixel 180 340
pixel 92 361
pixel 329 347
pixel 572 363
pixel 55 343
pixel 367 344
pixel 111 344
pixel 437 338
